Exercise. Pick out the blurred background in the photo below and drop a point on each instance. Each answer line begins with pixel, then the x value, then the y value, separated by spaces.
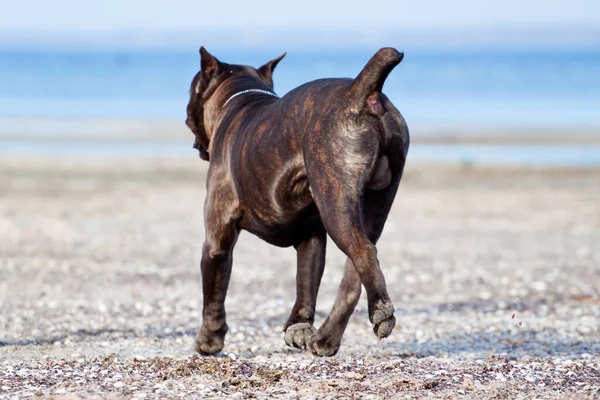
pixel 516 81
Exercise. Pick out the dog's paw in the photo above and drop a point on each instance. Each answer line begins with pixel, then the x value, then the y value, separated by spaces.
pixel 383 320
pixel 208 342
pixel 298 335
pixel 321 345
pixel 384 328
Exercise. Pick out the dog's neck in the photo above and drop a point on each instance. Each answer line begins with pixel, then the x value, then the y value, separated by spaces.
pixel 263 91
pixel 215 111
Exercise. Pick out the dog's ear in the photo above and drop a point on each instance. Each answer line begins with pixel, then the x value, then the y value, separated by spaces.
pixel 209 65
pixel 266 71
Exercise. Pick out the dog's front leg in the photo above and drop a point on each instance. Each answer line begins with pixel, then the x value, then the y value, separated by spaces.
pixel 221 235
pixel 311 262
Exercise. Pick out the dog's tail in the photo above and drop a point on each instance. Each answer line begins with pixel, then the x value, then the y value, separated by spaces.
pixel 370 80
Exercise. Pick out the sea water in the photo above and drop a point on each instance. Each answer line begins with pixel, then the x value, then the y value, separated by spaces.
pixel 513 88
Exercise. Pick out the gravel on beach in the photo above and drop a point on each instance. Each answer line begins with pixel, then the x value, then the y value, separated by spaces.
pixel 494 273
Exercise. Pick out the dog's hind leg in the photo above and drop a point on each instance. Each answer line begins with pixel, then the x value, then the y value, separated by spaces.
pixel 327 340
pixel 221 234
pixel 311 262
pixel 355 221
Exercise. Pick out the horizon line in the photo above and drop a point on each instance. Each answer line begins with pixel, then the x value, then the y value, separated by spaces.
pixel 313 37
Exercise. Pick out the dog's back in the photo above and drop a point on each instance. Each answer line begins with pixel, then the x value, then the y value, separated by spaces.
pixel 348 124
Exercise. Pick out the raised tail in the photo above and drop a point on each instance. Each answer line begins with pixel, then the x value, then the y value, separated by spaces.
pixel 373 75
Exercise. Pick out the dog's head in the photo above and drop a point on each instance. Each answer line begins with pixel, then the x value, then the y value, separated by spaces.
pixel 212 75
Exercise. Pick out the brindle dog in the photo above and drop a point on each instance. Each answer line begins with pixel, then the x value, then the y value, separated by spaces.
pixel 325 159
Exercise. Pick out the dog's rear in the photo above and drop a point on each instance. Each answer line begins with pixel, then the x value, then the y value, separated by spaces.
pixel 366 93
pixel 362 141
pixel 354 162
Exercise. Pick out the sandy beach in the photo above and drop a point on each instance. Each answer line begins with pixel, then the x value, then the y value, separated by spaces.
pixel 494 273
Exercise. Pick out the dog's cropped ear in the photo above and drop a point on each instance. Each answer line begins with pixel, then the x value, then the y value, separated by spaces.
pixel 209 65
pixel 266 71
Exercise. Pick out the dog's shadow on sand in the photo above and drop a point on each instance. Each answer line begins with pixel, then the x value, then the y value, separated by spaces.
pixel 515 340
pixel 526 343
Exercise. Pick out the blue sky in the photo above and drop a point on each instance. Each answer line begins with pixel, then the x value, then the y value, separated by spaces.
pixel 186 14
pixel 78 19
